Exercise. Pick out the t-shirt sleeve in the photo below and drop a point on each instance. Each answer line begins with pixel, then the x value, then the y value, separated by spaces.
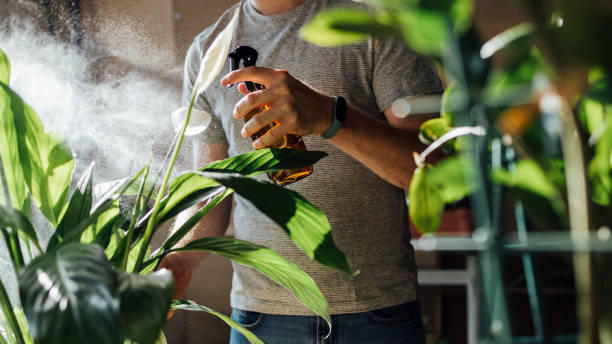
pixel 214 132
pixel 400 72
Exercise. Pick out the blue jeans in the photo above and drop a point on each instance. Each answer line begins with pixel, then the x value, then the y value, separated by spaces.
pixel 400 324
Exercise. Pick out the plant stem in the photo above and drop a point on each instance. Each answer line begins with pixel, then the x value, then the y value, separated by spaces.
pixel 12 244
pixel 578 208
pixel 135 215
pixel 7 307
pixel 162 190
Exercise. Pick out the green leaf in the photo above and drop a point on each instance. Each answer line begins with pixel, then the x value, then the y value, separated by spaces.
pixel 145 302
pixel 453 177
pixel 265 160
pixel 69 296
pixel 600 167
pixel 432 130
pixel 529 177
pixel 9 155
pixel 461 14
pixel 269 263
pixel 591 114
pixel 14 332
pixel 306 225
pixel 339 26
pixel 46 161
pixel 106 202
pixel 188 189
pixel 5 68
pixel 179 233
pixel 425 31
pixel 189 305
pixel 106 224
pixel 425 202
pixel 23 325
pixel 78 208
pixel 13 218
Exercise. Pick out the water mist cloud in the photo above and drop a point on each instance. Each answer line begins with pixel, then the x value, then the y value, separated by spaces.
pixel 108 111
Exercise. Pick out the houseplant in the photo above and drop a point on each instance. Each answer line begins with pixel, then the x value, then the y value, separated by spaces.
pixel 528 114
pixel 94 281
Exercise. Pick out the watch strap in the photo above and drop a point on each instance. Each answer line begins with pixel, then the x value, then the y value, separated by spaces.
pixel 338 117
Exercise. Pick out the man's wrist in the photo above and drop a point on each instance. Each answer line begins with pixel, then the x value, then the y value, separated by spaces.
pixel 338 116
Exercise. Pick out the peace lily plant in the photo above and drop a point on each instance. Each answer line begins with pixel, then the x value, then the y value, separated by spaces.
pixel 95 282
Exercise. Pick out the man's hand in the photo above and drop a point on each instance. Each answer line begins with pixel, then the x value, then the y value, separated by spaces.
pixel 297 108
pixel 182 265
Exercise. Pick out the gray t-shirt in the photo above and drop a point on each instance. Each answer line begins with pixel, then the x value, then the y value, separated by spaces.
pixel 368 215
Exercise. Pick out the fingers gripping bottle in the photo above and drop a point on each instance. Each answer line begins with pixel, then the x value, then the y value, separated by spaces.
pixel 283 177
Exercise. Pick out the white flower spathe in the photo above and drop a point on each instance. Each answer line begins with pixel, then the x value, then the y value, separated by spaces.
pixel 198 121
pixel 215 57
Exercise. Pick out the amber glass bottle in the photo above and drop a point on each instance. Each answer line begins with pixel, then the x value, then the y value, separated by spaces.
pixel 282 177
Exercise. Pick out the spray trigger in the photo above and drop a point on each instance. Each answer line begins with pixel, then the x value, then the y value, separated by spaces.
pixel 248 56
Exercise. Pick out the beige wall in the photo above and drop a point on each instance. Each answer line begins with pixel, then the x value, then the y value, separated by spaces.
pixel 193 16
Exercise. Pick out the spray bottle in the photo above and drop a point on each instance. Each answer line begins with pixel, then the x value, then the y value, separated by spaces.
pixel 249 56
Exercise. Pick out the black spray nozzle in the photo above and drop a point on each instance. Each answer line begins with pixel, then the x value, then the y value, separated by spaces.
pixel 248 56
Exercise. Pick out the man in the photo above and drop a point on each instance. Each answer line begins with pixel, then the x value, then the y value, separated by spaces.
pixel 359 186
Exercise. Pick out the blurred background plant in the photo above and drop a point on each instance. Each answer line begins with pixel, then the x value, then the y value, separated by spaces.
pixel 527 124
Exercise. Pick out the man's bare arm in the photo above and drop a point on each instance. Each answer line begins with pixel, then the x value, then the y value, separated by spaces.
pixel 183 264
pixel 384 147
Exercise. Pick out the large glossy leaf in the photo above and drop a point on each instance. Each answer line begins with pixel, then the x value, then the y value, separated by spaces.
pixel 145 302
pixel 189 305
pixel 265 160
pixel 269 263
pixel 306 225
pixel 69 296
pixel 9 154
pixel 5 68
pixel 78 208
pixel 340 26
pixel 425 201
pixel 453 177
pixel 45 160
pixel 188 189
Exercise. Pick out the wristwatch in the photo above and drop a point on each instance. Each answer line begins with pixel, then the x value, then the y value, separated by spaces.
pixel 338 117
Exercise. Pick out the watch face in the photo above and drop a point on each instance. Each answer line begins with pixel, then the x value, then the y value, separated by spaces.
pixel 341 110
